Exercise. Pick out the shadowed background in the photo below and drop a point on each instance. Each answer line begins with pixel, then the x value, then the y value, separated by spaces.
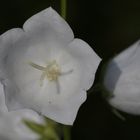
pixel 109 27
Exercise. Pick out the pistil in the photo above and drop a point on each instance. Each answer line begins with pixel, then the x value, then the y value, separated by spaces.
pixel 51 71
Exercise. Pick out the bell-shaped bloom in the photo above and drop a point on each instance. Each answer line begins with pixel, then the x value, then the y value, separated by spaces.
pixel 42 67
pixel 11 123
pixel 122 80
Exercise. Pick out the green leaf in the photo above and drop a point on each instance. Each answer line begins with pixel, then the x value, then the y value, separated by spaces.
pixel 51 123
pixel 50 134
pixel 66 132
pixel 35 127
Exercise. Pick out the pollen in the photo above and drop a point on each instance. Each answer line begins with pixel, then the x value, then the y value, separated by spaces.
pixel 51 71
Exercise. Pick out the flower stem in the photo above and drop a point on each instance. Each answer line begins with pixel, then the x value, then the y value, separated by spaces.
pixel 66 132
pixel 64 8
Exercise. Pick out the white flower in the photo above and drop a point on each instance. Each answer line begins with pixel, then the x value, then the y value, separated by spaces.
pixel 11 123
pixel 122 80
pixel 43 67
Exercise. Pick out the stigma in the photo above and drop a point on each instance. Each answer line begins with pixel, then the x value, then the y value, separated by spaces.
pixel 51 71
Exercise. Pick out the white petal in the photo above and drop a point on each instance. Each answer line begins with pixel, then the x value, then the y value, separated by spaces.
pixel 48 25
pixel 128 55
pixel 87 59
pixel 11 125
pixel 122 79
pixel 7 45
pixel 66 112
pixel 7 41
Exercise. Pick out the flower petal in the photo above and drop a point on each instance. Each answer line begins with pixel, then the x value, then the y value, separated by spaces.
pixel 66 112
pixel 49 25
pixel 7 41
pixel 126 56
pixel 12 127
pixel 87 59
pixel 123 81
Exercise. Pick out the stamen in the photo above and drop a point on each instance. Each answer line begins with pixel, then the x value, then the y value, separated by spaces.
pixel 52 71
pixel 36 66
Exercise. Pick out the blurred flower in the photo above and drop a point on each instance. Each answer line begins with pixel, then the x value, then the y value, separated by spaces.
pixel 43 67
pixel 11 123
pixel 122 80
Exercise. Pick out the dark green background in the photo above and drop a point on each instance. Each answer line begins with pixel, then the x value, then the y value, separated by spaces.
pixel 108 26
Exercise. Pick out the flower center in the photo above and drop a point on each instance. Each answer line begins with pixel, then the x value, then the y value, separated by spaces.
pixel 52 71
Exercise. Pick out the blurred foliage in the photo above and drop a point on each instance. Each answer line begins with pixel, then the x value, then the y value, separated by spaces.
pixel 109 27
pixel 50 130
pixel 37 128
